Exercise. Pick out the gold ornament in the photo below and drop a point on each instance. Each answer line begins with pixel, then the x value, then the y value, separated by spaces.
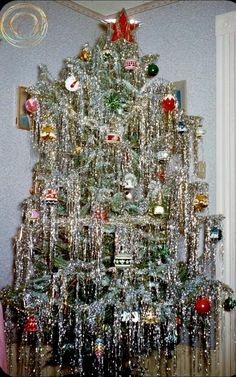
pixel 200 201
pixel 85 54
pixel 48 133
pixel 78 149
pixel 150 317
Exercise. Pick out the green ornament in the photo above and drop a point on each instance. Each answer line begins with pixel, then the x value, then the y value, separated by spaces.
pixel 229 304
pixel 152 70
pixel 113 101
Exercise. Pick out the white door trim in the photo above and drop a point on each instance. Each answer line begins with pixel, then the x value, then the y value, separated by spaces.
pixel 225 169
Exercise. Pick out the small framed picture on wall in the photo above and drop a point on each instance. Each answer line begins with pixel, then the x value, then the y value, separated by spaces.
pixel 180 92
pixel 23 118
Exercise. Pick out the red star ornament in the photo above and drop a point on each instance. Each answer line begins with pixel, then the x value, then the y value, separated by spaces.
pixel 123 28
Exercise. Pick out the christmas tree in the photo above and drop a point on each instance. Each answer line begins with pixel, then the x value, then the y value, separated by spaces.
pixel 115 258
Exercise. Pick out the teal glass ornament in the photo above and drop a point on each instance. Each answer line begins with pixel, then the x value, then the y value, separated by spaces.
pixel 152 70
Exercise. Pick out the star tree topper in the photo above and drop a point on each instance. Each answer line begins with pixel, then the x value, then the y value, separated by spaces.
pixel 123 27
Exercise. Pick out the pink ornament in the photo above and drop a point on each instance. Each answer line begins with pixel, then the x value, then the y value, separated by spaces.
pixel 32 105
pixel 131 64
pixel 34 215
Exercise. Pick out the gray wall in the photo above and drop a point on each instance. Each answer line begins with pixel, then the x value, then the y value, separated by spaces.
pixel 184 36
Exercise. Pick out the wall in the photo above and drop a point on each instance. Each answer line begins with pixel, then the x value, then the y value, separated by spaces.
pixel 67 32
pixel 182 33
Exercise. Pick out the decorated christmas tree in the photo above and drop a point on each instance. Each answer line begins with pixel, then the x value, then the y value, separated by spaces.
pixel 116 255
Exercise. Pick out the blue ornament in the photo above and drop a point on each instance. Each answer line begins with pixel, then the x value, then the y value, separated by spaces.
pixel 216 233
pixel 181 127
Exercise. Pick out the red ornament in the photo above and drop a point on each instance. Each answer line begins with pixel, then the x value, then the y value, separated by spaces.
pixel 178 321
pixel 169 103
pixel 101 214
pixel 202 305
pixel 31 324
pixel 161 175
pixel 50 197
pixel 32 105
pixel 112 138
pixel 123 28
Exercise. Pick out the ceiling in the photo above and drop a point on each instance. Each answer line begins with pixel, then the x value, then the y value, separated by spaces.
pixel 109 7
pixel 100 9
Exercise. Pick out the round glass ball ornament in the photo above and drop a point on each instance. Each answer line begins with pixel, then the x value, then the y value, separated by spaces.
pixel 202 305
pixel 152 70
pixel 229 304
pixel 32 105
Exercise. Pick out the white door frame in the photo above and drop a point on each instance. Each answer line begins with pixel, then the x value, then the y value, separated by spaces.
pixel 226 169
